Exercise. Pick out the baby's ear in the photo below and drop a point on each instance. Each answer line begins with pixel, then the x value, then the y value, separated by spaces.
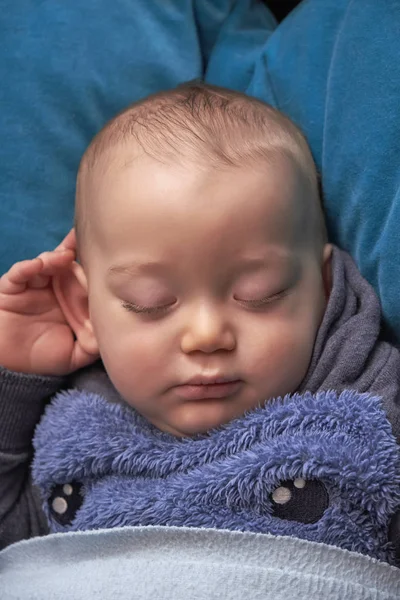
pixel 327 269
pixel 71 290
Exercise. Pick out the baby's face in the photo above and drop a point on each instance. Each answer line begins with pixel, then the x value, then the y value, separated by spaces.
pixel 196 273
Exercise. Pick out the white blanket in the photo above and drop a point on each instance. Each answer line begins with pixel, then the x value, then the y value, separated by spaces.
pixel 162 563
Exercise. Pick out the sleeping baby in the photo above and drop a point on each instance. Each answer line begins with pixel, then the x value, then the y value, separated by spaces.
pixel 243 381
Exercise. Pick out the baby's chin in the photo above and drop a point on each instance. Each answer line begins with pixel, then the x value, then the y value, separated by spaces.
pixel 197 418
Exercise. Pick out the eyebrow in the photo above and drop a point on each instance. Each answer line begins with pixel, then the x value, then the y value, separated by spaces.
pixel 138 268
pixel 158 267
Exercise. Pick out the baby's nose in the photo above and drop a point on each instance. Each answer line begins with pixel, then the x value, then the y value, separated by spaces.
pixel 208 330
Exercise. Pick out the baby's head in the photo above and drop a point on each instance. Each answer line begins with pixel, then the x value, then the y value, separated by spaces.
pixel 203 256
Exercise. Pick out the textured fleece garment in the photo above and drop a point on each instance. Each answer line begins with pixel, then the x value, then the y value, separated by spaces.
pixel 348 354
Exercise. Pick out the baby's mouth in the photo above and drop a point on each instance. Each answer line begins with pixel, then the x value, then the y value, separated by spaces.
pixel 205 391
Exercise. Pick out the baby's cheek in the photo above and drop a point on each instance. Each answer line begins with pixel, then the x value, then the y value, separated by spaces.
pixel 137 361
pixel 281 357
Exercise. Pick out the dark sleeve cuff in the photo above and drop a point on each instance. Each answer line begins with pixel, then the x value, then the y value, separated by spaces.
pixel 22 401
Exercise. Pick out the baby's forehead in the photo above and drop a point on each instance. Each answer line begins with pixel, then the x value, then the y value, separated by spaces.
pixel 151 195
pixel 128 174
pixel 149 224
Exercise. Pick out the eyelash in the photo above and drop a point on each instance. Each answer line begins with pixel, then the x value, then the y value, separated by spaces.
pixel 144 309
pixel 265 301
pixel 129 306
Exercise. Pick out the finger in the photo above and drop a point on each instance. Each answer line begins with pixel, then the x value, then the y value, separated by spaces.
pixel 53 263
pixel 34 273
pixel 38 282
pixel 55 260
pixel 69 242
pixel 32 302
pixel 17 278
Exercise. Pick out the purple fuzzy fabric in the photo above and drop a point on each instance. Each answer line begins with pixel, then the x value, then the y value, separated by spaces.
pixel 129 473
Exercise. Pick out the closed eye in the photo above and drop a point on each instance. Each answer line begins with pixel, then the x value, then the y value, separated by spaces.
pixel 263 301
pixel 157 310
pixel 149 310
